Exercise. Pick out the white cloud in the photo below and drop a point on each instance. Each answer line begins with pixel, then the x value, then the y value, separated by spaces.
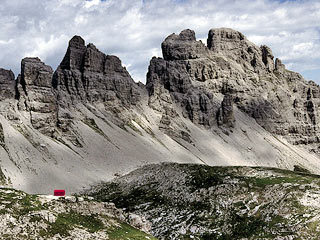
pixel 89 4
pixel 134 29
pixel 45 47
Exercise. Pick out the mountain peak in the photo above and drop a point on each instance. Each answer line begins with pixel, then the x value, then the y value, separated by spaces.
pixel 183 46
pixel 223 34
pixel 7 84
pixel 187 34
pixel 77 41
pixel 74 56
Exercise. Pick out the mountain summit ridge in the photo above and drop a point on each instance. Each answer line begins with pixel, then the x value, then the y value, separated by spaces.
pixel 260 86
pixel 227 103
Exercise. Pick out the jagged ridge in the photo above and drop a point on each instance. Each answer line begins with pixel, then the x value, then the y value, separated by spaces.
pixel 225 103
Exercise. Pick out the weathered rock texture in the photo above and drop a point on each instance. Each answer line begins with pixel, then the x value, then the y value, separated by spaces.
pixel 183 46
pixel 36 96
pixel 232 68
pixel 7 84
pixel 225 115
pixel 85 73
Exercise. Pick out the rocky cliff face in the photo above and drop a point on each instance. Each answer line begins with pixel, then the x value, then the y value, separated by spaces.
pixel 35 95
pixel 7 83
pixel 197 78
pixel 88 76
pixel 227 103
pixel 85 73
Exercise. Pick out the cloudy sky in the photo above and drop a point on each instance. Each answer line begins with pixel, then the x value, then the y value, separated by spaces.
pixel 134 29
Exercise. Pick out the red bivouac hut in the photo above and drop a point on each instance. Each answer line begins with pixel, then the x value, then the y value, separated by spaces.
pixel 59 192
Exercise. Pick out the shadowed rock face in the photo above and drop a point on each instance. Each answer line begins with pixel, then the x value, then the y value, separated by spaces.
pixel 7 84
pixel 206 82
pixel 74 57
pixel 225 115
pixel 192 76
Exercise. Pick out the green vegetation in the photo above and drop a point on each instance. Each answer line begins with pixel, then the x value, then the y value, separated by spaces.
pixel 263 182
pixel 205 177
pixel 125 231
pixel 67 221
pixel 29 203
pixel 17 202
pixel 245 226
pixel 139 195
pixel 58 219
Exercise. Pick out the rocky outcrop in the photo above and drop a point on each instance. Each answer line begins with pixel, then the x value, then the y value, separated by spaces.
pixel 185 63
pixel 191 76
pixel 87 74
pixel 279 66
pixel 267 58
pixel 225 115
pixel 199 108
pixel 7 84
pixel 36 96
pixel 84 76
pixel 74 57
pixel 183 46
pixel 191 79
pixel 235 46
pixel 201 104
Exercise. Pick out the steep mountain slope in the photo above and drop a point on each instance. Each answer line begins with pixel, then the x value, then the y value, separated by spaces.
pixel 227 103
pixel 25 216
pixel 203 202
